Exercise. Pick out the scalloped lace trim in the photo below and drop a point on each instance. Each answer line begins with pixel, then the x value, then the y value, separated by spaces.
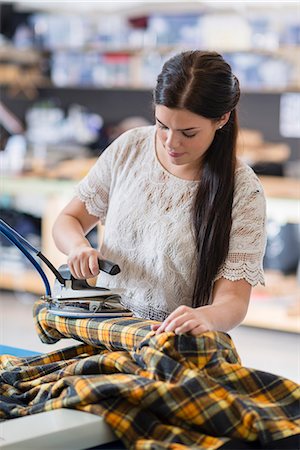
pixel 238 267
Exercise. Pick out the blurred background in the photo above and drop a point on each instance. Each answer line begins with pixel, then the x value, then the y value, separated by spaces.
pixel 74 75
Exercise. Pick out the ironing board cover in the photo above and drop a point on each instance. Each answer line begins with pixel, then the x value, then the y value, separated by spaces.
pixel 156 392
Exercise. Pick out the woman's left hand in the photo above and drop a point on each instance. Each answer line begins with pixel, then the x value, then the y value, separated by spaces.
pixel 185 320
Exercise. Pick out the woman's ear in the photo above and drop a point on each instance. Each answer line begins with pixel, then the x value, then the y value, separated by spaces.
pixel 223 120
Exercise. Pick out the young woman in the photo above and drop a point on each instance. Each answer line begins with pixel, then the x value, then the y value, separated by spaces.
pixel 184 218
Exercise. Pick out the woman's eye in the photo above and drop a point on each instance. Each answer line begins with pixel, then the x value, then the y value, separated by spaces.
pixel 188 135
pixel 162 127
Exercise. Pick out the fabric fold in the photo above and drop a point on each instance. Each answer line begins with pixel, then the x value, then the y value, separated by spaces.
pixel 162 391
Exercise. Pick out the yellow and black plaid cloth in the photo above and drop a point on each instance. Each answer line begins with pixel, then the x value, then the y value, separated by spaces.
pixel 156 392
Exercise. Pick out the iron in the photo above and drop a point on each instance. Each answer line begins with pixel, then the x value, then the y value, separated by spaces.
pixel 72 297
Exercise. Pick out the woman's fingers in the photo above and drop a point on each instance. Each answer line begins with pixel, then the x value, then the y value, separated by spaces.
pixel 175 319
pixel 199 330
pixel 72 269
pixel 186 327
pixel 183 320
pixel 83 263
pixel 193 326
pixel 94 264
pixel 89 266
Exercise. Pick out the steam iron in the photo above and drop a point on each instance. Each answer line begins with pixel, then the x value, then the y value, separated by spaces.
pixel 76 298
pixel 72 297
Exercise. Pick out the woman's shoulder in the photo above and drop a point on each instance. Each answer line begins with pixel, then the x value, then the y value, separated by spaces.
pixel 246 179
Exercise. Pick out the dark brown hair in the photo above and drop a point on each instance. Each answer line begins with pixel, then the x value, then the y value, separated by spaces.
pixel 203 83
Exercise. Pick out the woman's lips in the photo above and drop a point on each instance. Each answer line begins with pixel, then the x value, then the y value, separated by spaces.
pixel 175 154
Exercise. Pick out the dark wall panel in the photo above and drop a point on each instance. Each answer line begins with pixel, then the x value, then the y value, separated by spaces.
pixel 256 110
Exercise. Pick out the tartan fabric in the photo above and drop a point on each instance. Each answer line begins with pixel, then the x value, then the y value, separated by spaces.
pixel 156 392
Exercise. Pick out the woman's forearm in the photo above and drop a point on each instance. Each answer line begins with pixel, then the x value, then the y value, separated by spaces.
pixel 72 225
pixel 230 304
pixel 68 233
pixel 226 314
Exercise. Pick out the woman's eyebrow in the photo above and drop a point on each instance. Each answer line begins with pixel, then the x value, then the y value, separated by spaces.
pixel 180 129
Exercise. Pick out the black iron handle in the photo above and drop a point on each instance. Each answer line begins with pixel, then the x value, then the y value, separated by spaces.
pixel 109 267
pixel 104 265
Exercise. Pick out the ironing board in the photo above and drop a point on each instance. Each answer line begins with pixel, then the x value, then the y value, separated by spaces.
pixel 15 351
pixel 57 429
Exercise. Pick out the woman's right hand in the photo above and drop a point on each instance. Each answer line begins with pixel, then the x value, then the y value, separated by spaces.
pixel 69 233
pixel 83 262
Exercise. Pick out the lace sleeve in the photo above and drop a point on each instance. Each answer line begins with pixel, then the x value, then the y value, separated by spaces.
pixel 94 189
pixel 248 233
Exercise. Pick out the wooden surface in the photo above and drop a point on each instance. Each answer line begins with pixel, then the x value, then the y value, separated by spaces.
pixel 281 188
pixel 274 187
pixel 15 185
pixel 277 304
pixel 25 281
pixel 283 198
pixel 272 318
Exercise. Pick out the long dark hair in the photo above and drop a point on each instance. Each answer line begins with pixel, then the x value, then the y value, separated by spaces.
pixel 203 83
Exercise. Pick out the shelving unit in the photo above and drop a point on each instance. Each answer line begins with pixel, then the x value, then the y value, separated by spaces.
pixel 277 305
pixel 56 194
pixel 133 64
pixel 112 48
pixel 111 99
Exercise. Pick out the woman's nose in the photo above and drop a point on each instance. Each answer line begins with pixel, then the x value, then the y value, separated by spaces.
pixel 172 140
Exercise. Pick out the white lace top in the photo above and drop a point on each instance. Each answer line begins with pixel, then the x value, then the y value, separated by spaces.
pixel 148 227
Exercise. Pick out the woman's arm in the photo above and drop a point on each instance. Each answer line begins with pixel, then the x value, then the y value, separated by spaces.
pixel 229 308
pixel 69 231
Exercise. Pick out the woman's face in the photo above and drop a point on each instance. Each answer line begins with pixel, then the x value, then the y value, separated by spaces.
pixel 183 138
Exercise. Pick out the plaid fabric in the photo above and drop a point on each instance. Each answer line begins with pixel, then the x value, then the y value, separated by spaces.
pixel 156 392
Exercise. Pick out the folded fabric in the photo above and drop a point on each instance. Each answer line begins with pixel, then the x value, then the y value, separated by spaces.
pixel 157 392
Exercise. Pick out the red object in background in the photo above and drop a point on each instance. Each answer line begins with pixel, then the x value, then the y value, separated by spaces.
pixel 116 58
pixel 139 22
